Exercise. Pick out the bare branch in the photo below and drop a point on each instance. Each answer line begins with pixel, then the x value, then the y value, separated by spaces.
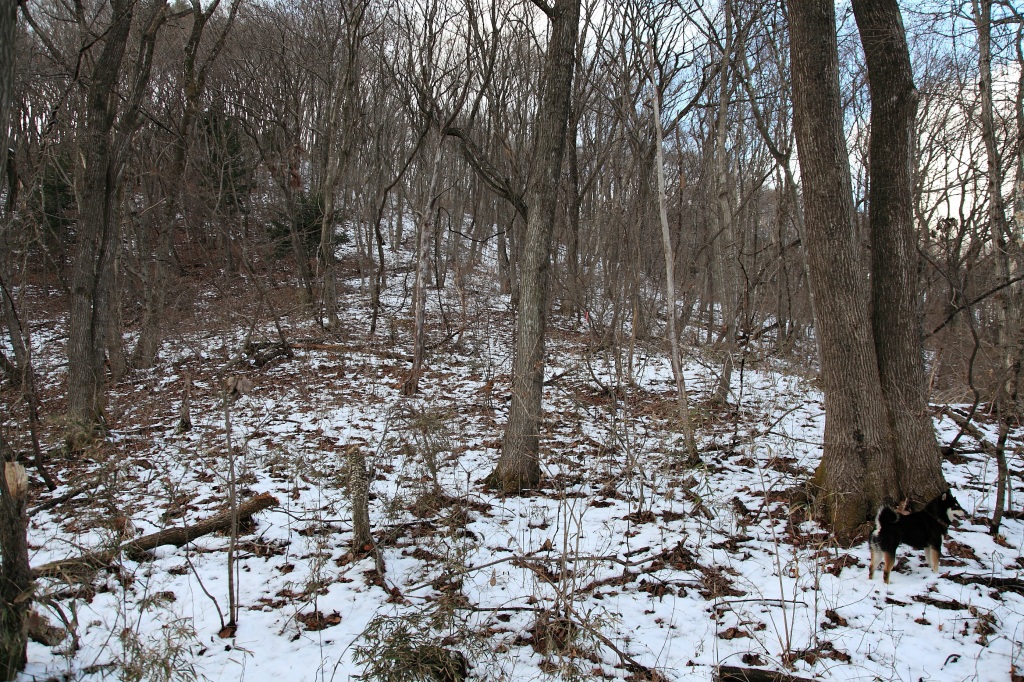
pixel 546 8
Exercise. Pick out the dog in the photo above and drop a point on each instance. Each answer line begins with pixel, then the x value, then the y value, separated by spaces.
pixel 921 530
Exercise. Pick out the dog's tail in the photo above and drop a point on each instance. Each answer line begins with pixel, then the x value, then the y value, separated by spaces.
pixel 884 517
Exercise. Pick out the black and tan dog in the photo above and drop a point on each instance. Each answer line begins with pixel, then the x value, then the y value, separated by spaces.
pixel 921 530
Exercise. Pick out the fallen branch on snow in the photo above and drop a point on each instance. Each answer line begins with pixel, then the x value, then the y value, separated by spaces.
pixel 169 536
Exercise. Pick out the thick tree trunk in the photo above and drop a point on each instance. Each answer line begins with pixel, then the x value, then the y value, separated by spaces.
pixel 519 465
pixel 106 138
pixel 359 491
pixel 92 281
pixel 896 318
pixel 856 467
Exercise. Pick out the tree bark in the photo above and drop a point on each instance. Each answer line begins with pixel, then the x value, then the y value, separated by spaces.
pixel 896 315
pixel 344 99
pixel 1008 331
pixel 92 280
pixel 519 465
pixel 854 475
pixel 8 31
pixel 359 491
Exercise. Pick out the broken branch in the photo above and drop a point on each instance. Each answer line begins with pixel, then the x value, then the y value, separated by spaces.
pixel 169 536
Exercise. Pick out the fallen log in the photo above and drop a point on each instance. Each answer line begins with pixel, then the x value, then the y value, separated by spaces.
pixel 731 673
pixel 970 428
pixel 169 536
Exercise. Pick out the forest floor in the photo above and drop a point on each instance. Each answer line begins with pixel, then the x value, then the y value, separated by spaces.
pixel 625 564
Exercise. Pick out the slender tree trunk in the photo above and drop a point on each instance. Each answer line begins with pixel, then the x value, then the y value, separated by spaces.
pixel 299 245
pixel 728 248
pixel 692 458
pixel 855 473
pixel 1003 238
pixel 504 266
pixel 896 315
pixel 8 32
pixel 519 465
pixel 25 374
pixel 424 227
pixel 341 122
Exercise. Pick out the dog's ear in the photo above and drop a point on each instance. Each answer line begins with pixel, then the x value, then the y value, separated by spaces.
pixel 945 496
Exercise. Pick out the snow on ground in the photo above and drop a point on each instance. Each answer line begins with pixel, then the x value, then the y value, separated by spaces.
pixel 625 565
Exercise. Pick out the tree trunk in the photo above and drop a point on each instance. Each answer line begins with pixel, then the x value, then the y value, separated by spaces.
pixel 341 121
pixel 856 459
pixel 424 227
pixel 692 458
pixel 896 318
pixel 728 246
pixel 15 575
pixel 519 465
pixel 176 536
pixel 98 224
pixel 999 229
pixel 8 31
pixel 106 140
pixel 359 490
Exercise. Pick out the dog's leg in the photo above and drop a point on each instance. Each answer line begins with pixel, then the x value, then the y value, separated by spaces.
pixel 933 558
pixel 873 563
pixel 890 561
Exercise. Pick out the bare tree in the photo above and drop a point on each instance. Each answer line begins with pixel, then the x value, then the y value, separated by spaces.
pixel 519 465
pixel 106 143
pixel 896 314
pixel 343 100
pixel 194 74
pixel 670 284
pixel 857 463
